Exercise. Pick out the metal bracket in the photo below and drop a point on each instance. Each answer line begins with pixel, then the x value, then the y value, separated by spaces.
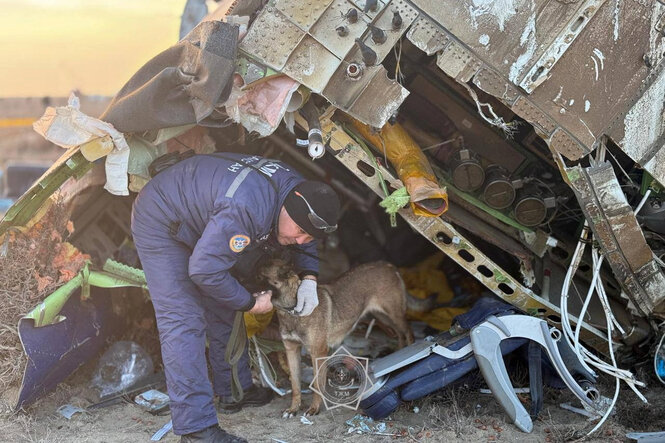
pixel 486 339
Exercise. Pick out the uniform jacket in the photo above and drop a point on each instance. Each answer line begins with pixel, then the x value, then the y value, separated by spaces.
pixel 218 207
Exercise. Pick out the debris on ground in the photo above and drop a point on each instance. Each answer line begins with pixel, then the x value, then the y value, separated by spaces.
pixel 361 424
pixel 153 400
pixel 157 436
pixel 68 411
pixel 33 263
pixel 123 365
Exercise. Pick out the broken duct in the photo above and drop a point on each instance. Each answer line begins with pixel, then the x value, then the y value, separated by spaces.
pixel 427 197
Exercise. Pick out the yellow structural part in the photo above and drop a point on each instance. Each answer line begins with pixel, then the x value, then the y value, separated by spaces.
pixel 427 197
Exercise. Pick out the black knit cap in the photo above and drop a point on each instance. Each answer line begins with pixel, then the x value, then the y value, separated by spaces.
pixel 321 198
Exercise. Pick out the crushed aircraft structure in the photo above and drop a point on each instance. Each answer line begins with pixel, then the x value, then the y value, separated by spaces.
pixel 534 122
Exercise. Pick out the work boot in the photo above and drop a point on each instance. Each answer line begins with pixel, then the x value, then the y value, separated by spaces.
pixel 254 396
pixel 213 434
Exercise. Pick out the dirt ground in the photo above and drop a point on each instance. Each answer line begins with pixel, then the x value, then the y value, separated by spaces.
pixel 455 414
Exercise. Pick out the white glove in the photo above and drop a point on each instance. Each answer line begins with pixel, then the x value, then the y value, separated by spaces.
pixel 307 298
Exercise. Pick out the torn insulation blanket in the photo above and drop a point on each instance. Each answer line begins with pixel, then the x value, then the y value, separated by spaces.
pixel 424 280
pixel 427 197
pixel 261 106
pixel 182 85
pixel 68 127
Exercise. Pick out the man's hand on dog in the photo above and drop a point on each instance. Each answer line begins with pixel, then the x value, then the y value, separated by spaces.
pixel 263 302
pixel 307 297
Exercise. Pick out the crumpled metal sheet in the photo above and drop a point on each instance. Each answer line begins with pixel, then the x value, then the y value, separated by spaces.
pixel 305 45
pixel 180 86
pixel 311 64
pixel 274 50
pixel 427 36
pixel 615 228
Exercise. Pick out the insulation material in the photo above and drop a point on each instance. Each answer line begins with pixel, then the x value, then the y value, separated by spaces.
pixel 261 107
pixel 183 85
pixel 424 280
pixel 427 197
pixel 143 150
pixel 68 127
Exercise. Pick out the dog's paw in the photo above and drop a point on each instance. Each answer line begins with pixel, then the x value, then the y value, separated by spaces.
pixel 290 413
pixel 313 410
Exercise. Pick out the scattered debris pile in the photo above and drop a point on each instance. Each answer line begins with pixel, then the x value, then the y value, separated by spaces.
pixel 33 263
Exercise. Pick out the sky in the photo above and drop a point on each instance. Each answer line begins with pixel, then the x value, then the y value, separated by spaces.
pixel 50 47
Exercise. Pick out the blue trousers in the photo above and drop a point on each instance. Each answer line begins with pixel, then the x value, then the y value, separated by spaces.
pixel 185 318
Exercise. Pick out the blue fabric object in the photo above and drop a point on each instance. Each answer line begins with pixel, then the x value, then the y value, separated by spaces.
pixel 55 351
pixel 191 223
pixel 535 358
pixel 380 410
pixel 435 372
pixel 447 371
pixel 482 309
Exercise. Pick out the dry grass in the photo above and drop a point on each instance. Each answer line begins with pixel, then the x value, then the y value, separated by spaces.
pixel 449 411
pixel 25 428
pixel 27 276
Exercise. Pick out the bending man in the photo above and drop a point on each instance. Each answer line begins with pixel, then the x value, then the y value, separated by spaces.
pixel 190 224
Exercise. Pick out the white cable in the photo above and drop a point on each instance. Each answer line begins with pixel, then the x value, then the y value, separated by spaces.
pixel 572 269
pixel 592 286
pixel 617 384
pixel 586 357
pixel 605 302
pixel 591 358
pixel 643 201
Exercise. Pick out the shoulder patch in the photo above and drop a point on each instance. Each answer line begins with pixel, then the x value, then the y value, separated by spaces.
pixel 238 242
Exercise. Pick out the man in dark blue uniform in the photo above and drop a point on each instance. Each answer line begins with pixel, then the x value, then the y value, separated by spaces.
pixel 191 223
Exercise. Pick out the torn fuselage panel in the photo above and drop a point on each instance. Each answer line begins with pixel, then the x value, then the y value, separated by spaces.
pixel 306 45
pixel 617 231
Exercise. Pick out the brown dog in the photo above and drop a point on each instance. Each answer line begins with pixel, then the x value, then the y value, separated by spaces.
pixel 375 288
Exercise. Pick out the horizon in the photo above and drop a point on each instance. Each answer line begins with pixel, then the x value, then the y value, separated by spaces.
pixel 92 37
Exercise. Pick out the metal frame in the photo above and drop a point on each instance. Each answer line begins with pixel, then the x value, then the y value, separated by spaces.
pixel 446 238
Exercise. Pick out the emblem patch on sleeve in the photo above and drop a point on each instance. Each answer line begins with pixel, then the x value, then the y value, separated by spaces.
pixel 238 242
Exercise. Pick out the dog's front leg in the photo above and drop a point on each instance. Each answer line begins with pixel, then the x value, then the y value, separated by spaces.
pixel 293 358
pixel 317 350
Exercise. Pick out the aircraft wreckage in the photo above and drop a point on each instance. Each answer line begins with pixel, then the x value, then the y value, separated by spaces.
pixel 527 133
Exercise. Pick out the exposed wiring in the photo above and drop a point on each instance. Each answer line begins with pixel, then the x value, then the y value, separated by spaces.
pixel 385 151
pixel 587 358
pixel 445 142
pixel 268 373
pixel 397 50
pixel 508 128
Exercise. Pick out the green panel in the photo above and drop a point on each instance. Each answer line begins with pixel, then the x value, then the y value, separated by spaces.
pixel 71 164
pixel 116 275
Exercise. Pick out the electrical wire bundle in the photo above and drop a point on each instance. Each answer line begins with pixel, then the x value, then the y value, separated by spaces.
pixel 587 358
